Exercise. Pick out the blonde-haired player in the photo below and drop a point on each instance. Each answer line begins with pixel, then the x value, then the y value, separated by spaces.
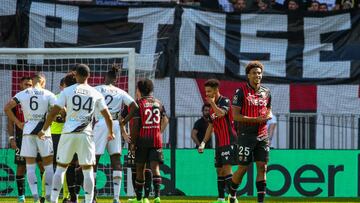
pixel 35 103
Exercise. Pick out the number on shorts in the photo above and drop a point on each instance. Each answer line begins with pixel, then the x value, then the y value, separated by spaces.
pixel 244 151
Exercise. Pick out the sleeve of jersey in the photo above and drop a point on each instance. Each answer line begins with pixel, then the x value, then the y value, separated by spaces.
pixel 137 112
pixel 127 99
pixel 269 103
pixel 163 111
pixel 61 100
pixel 238 98
pixel 52 100
pixel 225 105
pixel 18 97
pixel 101 105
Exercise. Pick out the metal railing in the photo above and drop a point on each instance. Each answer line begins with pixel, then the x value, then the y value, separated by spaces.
pixel 297 131
pixel 293 131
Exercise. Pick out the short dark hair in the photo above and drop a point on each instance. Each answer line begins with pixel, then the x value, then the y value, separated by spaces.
pixel 25 78
pixel 145 86
pixel 323 4
pixel 295 1
pixel 254 64
pixel 112 74
pixel 62 81
pixel 213 83
pixel 69 79
pixel 315 2
pixel 205 105
pixel 83 70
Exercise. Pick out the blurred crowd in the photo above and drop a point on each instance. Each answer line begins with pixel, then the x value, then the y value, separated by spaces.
pixel 252 5
pixel 274 5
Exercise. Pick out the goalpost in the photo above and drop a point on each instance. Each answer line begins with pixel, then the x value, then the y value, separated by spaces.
pixel 55 63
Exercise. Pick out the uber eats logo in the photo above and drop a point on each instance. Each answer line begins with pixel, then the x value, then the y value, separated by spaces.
pixel 309 173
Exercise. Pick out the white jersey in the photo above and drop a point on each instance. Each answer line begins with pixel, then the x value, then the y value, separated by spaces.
pixel 35 103
pixel 81 101
pixel 114 98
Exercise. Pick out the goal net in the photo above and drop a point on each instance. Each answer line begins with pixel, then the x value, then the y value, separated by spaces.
pixel 55 64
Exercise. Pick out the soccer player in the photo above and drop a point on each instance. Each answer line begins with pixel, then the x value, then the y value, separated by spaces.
pixel 131 162
pixel 56 129
pixel 15 139
pixel 252 109
pixel 80 100
pixel 222 123
pixel 35 103
pixel 148 124
pixel 114 98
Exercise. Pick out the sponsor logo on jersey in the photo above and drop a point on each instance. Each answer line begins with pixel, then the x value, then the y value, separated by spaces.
pixel 256 101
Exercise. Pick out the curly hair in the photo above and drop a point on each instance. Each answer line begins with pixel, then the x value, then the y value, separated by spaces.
pixel 254 64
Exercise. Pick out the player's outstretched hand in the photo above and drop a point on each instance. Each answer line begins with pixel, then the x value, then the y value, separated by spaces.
pixel 111 136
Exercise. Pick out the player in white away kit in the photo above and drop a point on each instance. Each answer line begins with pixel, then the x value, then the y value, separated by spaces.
pixel 114 98
pixel 81 101
pixel 35 103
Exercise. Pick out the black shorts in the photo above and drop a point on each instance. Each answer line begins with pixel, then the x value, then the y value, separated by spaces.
pixel 252 148
pixel 145 154
pixel 129 160
pixel 19 160
pixel 55 140
pixel 226 155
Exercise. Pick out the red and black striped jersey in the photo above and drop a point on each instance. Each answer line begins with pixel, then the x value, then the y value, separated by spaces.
pixel 253 104
pixel 20 116
pixel 224 130
pixel 150 113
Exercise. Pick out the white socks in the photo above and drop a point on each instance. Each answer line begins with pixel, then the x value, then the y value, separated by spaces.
pixel 58 180
pixel 88 185
pixel 31 176
pixel 49 173
pixel 117 176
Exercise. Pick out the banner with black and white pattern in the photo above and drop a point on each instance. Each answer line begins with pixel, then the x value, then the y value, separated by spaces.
pixel 302 47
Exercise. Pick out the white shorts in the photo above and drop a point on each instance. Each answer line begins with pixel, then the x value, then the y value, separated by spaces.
pixel 81 144
pixel 100 135
pixel 31 145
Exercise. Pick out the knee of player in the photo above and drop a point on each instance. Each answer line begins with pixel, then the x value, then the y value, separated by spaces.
pixel 261 167
pixel 116 165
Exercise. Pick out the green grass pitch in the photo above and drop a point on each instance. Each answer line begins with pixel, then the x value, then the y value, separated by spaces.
pixel 211 199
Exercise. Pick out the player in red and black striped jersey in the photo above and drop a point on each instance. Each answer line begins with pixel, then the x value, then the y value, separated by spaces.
pixel 221 121
pixel 148 124
pixel 252 109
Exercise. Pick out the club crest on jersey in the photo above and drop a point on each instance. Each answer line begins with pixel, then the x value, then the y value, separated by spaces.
pixel 213 116
pixel 235 99
pixel 256 101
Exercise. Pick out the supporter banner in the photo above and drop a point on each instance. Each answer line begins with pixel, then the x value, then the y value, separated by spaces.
pixel 9 34
pixel 326 174
pixel 302 47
